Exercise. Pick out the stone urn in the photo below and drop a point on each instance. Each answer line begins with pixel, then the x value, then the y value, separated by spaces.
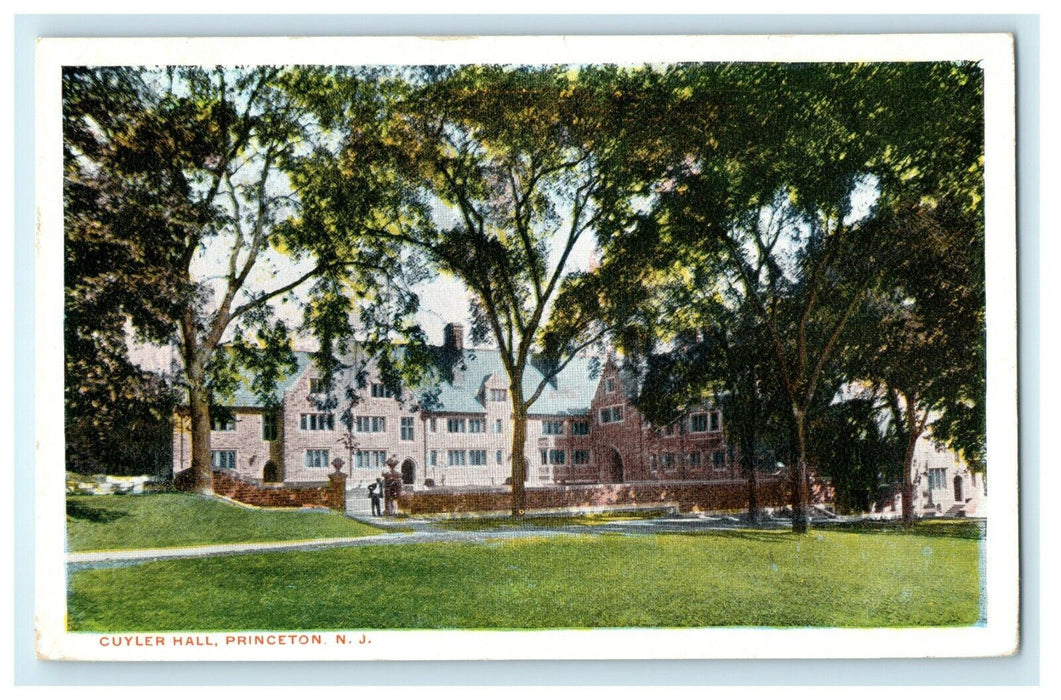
pixel 392 486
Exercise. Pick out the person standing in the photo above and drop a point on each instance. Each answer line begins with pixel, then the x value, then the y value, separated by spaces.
pixel 374 493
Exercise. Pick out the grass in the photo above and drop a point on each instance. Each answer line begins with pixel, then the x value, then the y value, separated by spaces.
pixel 722 578
pixel 177 519
pixel 544 521
pixel 972 529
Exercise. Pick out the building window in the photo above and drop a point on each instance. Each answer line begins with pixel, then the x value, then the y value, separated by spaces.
pixel 557 457
pixel 476 425
pixel 432 425
pixel 455 425
pixel 499 426
pixel 223 459
pixel 318 421
pixel 545 456
pixel 477 458
pixel 371 424
pixel 580 457
pixel 370 459
pixel 612 414
pixel 552 427
pixel 937 478
pixel 716 422
pixel 316 386
pixel 407 429
pixel 497 457
pixel 379 391
pixel 580 427
pixel 693 459
pixel 698 423
pixel 499 394
pixel 609 385
pixel 718 460
pixel 222 420
pixel 456 458
pixel 270 430
pixel 434 458
pixel 668 461
pixel 316 459
pixel 652 466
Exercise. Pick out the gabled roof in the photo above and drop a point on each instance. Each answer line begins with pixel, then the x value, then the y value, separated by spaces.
pixel 631 383
pixel 463 375
pixel 569 393
pixel 244 397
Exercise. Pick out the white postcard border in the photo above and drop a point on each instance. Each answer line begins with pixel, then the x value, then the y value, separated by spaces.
pixel 998 636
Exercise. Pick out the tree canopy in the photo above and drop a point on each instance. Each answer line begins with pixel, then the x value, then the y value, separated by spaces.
pixel 758 235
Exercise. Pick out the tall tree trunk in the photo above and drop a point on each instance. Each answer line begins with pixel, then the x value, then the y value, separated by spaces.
pixel 913 433
pixel 748 464
pixel 749 433
pixel 800 497
pixel 908 481
pixel 519 449
pixel 200 436
pixel 199 409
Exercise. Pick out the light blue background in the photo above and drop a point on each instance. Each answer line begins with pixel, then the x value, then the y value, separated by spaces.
pixel 1022 669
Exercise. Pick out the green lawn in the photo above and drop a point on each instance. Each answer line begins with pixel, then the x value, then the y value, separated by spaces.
pixel 177 519
pixel 734 578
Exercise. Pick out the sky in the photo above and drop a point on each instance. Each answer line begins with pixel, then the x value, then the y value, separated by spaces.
pixel 444 299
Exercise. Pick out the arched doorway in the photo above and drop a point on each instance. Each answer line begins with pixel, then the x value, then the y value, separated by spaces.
pixel 613 466
pixel 957 489
pixel 270 472
pixel 408 472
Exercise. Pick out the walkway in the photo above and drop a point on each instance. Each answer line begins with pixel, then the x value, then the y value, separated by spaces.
pixel 412 531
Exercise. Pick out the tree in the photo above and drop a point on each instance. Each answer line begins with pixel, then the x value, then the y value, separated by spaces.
pixel 116 246
pixel 782 179
pixel 190 183
pixel 858 449
pixel 925 357
pixel 506 162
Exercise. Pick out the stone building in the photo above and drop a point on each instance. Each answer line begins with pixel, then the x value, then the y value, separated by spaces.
pixel 943 484
pixel 583 428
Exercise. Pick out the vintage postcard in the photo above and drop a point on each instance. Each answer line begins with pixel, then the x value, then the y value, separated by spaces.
pixel 526 348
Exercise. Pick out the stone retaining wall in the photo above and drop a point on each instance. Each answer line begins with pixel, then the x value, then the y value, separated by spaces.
pixel 690 496
pixel 331 496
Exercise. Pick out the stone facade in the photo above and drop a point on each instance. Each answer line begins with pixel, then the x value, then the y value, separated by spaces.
pixel 626 447
pixel 584 429
pixel 943 484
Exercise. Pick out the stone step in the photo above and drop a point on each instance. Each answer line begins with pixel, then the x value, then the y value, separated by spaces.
pixel 358 502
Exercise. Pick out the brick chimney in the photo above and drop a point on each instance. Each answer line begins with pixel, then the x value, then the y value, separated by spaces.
pixel 453 337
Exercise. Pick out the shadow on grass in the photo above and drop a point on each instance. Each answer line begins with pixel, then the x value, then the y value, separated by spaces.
pixel 956 529
pixel 740 534
pixel 80 510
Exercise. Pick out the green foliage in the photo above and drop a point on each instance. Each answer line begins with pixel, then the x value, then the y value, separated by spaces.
pixel 857 448
pixel 765 232
pixel 929 338
pixel 168 168
pixel 117 415
pixel 796 196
